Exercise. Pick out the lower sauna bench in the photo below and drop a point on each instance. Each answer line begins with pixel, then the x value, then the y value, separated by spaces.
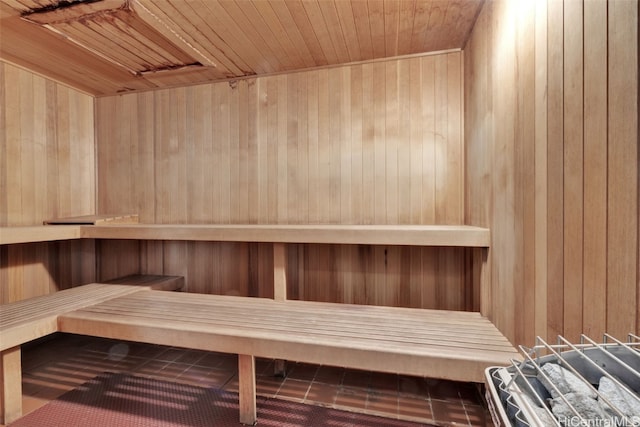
pixel 433 343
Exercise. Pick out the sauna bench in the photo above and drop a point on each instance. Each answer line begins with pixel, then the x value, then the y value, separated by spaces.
pixel 126 227
pixel 432 343
pixel 414 235
pixel 33 318
pixel 467 236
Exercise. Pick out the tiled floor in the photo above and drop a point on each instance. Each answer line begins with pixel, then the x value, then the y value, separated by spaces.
pixel 57 365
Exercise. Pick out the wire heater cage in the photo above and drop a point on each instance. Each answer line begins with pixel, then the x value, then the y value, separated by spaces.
pixel 528 394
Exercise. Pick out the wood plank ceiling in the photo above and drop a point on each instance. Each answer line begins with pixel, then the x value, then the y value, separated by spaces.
pixel 106 47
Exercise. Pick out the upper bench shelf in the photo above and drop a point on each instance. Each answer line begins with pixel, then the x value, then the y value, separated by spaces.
pixel 414 235
pixel 127 227
pixel 66 228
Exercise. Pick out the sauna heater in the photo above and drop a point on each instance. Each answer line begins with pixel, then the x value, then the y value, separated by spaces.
pixel 569 384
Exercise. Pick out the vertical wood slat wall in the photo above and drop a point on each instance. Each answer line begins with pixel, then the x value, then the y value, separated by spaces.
pixel 375 143
pixel 550 163
pixel 551 140
pixel 47 169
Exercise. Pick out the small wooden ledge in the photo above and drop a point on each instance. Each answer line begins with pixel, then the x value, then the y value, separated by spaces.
pixel 95 220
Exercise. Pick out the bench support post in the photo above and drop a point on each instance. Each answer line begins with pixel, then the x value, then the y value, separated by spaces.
pixel 247 389
pixel 279 272
pixel 279 292
pixel 483 277
pixel 11 382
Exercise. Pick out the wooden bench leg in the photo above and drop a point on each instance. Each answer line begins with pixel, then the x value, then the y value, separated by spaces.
pixel 247 389
pixel 11 382
pixel 279 291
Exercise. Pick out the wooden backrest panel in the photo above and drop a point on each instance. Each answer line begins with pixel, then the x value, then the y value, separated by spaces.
pixel 376 143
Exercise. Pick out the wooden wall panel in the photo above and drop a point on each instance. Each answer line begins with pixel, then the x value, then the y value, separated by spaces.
pixel 622 172
pixel 369 143
pixel 541 162
pixel 555 162
pixel 555 100
pixel 572 142
pixel 595 166
pixel 47 169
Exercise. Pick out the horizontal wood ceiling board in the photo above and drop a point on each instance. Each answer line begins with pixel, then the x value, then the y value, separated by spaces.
pixel 238 38
pixel 238 43
pixel 206 43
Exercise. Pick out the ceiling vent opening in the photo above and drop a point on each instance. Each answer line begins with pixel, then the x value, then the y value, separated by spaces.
pixel 114 31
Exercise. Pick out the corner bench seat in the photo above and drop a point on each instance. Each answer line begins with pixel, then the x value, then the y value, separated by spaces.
pixel 432 343
pixel 26 320
pixel 33 318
